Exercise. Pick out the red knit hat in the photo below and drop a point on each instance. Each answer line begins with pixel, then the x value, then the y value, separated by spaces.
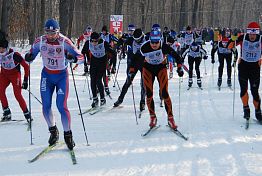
pixel 253 28
pixel 225 39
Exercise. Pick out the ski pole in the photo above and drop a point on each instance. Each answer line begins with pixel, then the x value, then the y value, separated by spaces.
pixel 88 86
pixel 134 102
pixel 34 96
pixel 78 103
pixel 29 100
pixel 234 90
pixel 179 92
pixel 205 67
pixel 115 81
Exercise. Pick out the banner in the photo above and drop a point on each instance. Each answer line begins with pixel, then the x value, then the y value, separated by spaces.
pixel 116 23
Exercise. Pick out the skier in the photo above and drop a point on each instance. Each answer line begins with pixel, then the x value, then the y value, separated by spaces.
pixel 136 64
pixel 177 47
pixel 96 51
pixel 249 67
pixel 155 66
pixel 10 73
pixel 56 51
pixel 195 53
pixel 187 38
pixel 85 36
pixel 223 54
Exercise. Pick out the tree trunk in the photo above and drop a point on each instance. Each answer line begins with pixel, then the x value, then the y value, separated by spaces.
pixel 183 15
pixel 195 11
pixel 70 21
pixel 42 18
pixel 63 16
pixel 5 15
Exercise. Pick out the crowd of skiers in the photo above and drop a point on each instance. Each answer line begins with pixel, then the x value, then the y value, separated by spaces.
pixel 151 53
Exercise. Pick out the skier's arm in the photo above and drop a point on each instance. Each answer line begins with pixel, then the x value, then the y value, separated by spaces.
pixel 85 52
pixel 71 50
pixel 35 49
pixel 185 53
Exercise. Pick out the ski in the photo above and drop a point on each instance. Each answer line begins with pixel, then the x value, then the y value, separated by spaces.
pixel 109 96
pixel 188 88
pixel 73 156
pixel 247 124
pixel 13 120
pixel 178 133
pixel 44 152
pixel 98 109
pixel 150 130
pixel 88 110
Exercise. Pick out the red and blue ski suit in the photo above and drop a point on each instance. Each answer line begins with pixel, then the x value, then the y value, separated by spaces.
pixel 55 75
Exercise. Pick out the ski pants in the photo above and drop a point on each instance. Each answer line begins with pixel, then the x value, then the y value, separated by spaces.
pixel 191 61
pixel 60 82
pixel 15 80
pixel 97 71
pixel 129 81
pixel 249 71
pixel 149 74
pixel 221 58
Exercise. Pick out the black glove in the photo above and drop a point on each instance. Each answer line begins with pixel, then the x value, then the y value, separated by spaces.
pixel 25 83
pixel 28 57
pixel 86 69
pixel 78 47
pixel 212 60
pixel 205 57
pixel 70 58
pixel 180 71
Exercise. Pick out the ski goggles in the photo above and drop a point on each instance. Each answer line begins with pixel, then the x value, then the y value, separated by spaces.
pixel 94 40
pixel 51 32
pixel 253 31
pixel 154 42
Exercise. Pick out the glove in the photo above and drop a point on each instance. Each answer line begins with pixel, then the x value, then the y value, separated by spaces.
pixel 86 69
pixel 180 71
pixel 28 57
pixel 212 60
pixel 70 58
pixel 25 83
pixel 205 57
pixel 78 47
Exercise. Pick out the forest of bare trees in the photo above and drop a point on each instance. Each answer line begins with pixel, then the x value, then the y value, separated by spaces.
pixel 24 19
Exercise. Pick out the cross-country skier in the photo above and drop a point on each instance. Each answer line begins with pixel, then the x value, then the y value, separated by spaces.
pixel 11 62
pixel 195 53
pixel 155 67
pixel 56 51
pixel 96 51
pixel 223 54
pixel 249 65
pixel 136 65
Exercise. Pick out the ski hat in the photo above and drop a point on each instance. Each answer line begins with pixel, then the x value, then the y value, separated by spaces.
pixel 225 39
pixel 4 43
pixel 104 28
pixel 51 25
pixel 188 28
pixel 89 29
pixel 156 27
pixel 131 27
pixel 95 36
pixel 138 34
pixel 155 36
pixel 253 28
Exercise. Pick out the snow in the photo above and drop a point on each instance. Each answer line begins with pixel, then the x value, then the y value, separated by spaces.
pixel 218 143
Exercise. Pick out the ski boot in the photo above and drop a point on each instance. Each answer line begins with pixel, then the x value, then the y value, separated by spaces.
pixel 170 74
pixel 142 105
pixel 246 112
pixel 107 91
pixel 118 102
pixel 171 123
pixel 229 84
pixel 113 70
pixel 6 114
pixel 199 82
pixel 153 121
pixel 54 135
pixel 258 115
pixel 102 101
pixel 219 82
pixel 190 82
pixel 95 102
pixel 69 139
pixel 27 115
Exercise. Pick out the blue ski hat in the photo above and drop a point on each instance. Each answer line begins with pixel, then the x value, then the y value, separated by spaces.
pixel 52 25
pixel 131 27
pixel 156 27
pixel 155 36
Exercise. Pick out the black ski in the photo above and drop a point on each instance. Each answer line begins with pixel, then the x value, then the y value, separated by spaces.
pixel 178 133
pixel 13 120
pixel 150 130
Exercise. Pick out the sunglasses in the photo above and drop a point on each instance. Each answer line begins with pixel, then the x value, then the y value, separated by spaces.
pixel 94 41
pixel 157 42
pixel 51 32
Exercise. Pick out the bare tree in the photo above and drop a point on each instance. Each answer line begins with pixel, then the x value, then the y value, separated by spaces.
pixel 5 15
